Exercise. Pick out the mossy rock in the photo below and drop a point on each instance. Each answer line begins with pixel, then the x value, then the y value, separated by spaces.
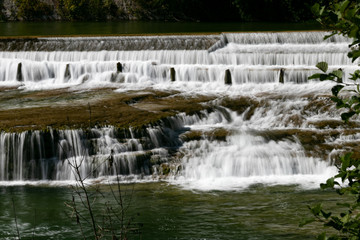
pixel 218 134
pixel 64 109
pixel 165 169
pixel 241 104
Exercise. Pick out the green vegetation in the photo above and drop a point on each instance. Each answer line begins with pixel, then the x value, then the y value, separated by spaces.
pixel 62 109
pixel 2 16
pixel 275 10
pixel 31 10
pixel 87 9
pixel 168 10
pixel 343 17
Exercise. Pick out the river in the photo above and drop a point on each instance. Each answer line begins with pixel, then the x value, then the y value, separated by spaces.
pixel 170 212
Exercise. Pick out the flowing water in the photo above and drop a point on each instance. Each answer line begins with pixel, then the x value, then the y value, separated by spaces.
pixel 276 150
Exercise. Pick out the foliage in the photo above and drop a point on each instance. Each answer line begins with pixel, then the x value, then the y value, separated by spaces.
pixel 32 10
pixel 2 15
pixel 347 223
pixel 343 18
pixel 274 10
pixel 206 10
pixel 87 9
pixel 203 10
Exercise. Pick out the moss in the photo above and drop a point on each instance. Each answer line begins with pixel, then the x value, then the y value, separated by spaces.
pixel 63 109
pixel 165 169
pixel 333 124
pixel 240 105
pixel 192 136
pixel 219 134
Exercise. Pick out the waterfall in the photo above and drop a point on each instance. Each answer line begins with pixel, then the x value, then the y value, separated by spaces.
pixel 255 131
pixel 250 57
pixel 39 155
pixel 126 43
pixel 244 155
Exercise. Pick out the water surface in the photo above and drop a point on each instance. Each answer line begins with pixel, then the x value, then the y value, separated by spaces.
pixel 139 27
pixel 170 212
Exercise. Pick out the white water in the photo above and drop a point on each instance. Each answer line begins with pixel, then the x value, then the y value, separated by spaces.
pixel 245 158
pixel 251 58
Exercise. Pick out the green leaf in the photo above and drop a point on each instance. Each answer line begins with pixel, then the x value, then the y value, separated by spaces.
pixel 315 76
pixel 357 107
pixel 339 102
pixel 322 236
pixel 321 76
pixel 346 116
pixel 316 209
pixel 355 76
pixel 354 54
pixel 323 66
pixel 345 218
pixel 350 13
pixel 334 223
pixel 345 163
pixel 315 9
pixel 336 89
pixel 329 183
pixel 306 221
pixel 344 5
pixel 354 31
pixel 347 156
pixel 338 73
pixel 325 214
pixel 329 36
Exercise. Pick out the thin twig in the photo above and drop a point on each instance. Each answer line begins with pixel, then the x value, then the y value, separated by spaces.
pixel 33 233
pixel 16 223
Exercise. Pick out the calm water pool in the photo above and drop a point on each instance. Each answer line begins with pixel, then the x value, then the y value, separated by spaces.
pixel 170 212
pixel 138 27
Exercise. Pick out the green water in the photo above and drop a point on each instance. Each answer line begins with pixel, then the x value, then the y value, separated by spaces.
pixel 136 27
pixel 169 212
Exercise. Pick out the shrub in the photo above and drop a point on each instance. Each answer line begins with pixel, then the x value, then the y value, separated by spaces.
pixel 97 10
pixel 32 10
pixel 343 18
pixel 274 10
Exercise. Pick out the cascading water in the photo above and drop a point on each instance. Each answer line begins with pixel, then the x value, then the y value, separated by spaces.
pixel 251 58
pixel 268 140
pixel 48 155
pixel 249 157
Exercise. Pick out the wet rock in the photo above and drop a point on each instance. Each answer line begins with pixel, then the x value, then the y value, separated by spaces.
pixel 240 105
pixel 219 134
pixel 67 74
pixel 119 67
pixel 165 169
pixel 172 74
pixel 19 76
pixel 227 79
pixel 281 76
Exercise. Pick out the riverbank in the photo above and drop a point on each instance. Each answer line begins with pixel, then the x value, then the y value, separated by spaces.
pixel 184 10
